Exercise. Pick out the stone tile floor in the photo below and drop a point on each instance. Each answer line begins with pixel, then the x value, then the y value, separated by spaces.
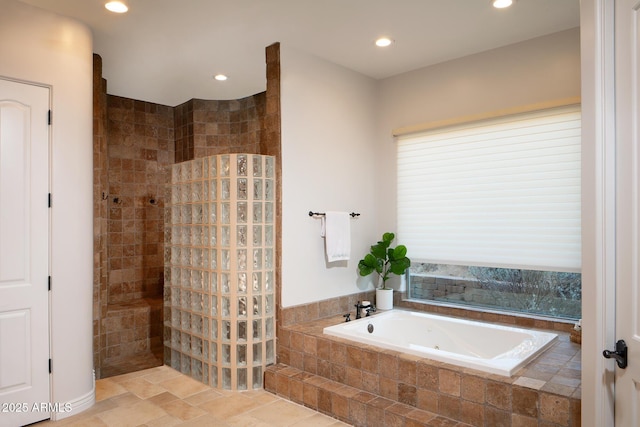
pixel 164 397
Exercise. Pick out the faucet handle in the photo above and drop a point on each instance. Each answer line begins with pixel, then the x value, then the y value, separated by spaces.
pixel 347 317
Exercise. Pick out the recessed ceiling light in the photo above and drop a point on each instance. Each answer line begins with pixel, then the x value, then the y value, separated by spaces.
pixel 116 6
pixel 220 77
pixel 383 42
pixel 501 4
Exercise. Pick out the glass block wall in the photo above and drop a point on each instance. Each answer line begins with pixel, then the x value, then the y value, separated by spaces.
pixel 219 270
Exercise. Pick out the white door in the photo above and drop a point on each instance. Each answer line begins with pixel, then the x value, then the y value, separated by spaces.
pixel 24 253
pixel 627 40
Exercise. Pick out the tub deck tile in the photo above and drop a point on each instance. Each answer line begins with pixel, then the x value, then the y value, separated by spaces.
pixel 348 404
pixel 359 378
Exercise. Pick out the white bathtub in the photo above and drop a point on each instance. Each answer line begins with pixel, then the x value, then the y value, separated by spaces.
pixel 487 347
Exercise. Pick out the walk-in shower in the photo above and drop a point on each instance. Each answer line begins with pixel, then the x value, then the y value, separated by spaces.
pixel 219 269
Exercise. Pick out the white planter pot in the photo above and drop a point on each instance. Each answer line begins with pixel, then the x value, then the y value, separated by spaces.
pixel 384 299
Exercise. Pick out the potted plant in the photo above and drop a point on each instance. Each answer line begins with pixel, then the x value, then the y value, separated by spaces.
pixel 385 260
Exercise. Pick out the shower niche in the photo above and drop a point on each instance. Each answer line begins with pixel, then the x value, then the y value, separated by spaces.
pixel 219 269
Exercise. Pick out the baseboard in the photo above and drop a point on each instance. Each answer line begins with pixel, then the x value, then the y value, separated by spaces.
pixel 78 405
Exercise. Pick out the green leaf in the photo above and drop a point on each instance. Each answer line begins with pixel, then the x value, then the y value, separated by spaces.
pixel 399 266
pixel 364 269
pixel 399 252
pixel 368 265
pixel 380 250
pixel 388 237
pixel 371 261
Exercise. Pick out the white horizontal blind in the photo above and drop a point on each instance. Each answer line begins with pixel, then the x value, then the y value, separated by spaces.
pixel 498 193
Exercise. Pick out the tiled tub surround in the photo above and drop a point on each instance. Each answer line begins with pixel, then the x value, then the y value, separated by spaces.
pixel 368 386
pixel 487 347
pixel 219 268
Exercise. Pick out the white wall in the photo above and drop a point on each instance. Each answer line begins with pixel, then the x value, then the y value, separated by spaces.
pixel 339 154
pixel 47 49
pixel 539 70
pixel 328 124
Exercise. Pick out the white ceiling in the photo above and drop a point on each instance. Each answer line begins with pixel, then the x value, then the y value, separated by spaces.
pixel 166 51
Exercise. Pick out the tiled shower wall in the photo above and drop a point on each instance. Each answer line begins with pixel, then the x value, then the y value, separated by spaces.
pixel 134 143
pixel 140 146
pixel 207 127
pixel 99 208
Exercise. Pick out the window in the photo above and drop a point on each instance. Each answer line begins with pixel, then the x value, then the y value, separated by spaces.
pixel 495 204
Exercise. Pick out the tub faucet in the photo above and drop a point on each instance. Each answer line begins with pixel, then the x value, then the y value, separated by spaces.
pixel 359 307
pixel 370 309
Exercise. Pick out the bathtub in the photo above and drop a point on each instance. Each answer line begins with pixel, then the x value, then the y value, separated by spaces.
pixel 487 347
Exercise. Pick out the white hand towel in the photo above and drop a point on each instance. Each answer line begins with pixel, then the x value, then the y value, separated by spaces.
pixel 336 229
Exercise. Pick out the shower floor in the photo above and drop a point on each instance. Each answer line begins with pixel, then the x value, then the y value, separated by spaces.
pixel 134 362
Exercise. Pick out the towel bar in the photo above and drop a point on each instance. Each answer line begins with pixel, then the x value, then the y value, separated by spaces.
pixel 311 213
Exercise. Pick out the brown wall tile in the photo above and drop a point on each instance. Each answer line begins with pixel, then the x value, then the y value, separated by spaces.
pixel 323 348
pixel 554 409
pixel 371 382
pixel 523 421
pixel 449 382
pixel 296 359
pixel 449 406
pixel 388 365
pixel 472 413
pixel 407 371
pixel 339 406
pixel 407 394
pixel 525 401
pixel 310 395
pixel 310 344
pixel 388 388
pixel 282 385
pixel 324 401
pixel 297 341
pixel 338 353
pixel 296 391
pixel 497 418
pixel 427 400
pixel 375 416
pixel 338 373
pixel 427 377
pixel 358 413
pixel 353 377
pixel 499 395
pixel 370 361
pixel 310 363
pixel 354 357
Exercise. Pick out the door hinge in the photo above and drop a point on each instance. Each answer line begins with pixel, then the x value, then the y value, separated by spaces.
pixel 50 366
pixel 49 200
pixel 49 284
pixel 49 117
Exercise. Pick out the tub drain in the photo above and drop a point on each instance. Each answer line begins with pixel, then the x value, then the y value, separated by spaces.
pixel 370 328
